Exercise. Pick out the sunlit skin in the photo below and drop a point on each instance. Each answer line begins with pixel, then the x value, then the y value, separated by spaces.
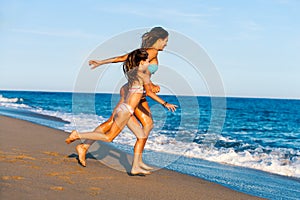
pixel 123 118
pixel 142 111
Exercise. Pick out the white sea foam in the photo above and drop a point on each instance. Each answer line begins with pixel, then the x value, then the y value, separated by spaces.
pixel 8 100
pixel 14 105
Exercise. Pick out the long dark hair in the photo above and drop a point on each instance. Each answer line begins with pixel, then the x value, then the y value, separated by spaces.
pixel 130 66
pixel 149 38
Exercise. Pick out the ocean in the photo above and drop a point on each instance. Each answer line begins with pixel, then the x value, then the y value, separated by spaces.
pixel 251 145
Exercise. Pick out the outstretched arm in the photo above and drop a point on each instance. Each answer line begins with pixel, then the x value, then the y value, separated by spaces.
pixel 152 54
pixel 96 63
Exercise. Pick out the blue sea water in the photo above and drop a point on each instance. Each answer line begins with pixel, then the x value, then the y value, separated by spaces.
pixel 248 144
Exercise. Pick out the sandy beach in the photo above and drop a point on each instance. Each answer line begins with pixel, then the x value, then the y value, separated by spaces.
pixel 37 164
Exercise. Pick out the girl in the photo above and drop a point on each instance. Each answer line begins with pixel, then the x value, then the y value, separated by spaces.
pixel 135 68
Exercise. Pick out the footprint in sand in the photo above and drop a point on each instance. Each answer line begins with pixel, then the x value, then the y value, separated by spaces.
pixel 24 157
pixel 13 157
pixel 12 178
pixel 57 188
pixel 101 178
pixel 62 176
pixel 53 174
pixel 34 167
pixel 51 153
pixel 94 190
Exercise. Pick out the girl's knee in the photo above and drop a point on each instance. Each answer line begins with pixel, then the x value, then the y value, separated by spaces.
pixel 148 127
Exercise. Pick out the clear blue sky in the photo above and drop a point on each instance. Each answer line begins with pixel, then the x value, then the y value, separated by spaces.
pixel 254 44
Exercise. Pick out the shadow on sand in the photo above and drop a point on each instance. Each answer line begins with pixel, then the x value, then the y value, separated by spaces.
pixel 108 155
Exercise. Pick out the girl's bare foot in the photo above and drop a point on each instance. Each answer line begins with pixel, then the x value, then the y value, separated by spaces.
pixel 139 171
pixel 72 137
pixel 144 166
pixel 81 151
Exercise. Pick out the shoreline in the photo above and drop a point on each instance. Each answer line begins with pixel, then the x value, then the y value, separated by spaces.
pixel 36 163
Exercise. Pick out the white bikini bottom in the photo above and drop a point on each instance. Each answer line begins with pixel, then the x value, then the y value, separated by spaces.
pixel 125 106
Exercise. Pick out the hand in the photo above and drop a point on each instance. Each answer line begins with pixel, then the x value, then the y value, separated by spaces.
pixel 155 88
pixel 95 63
pixel 171 107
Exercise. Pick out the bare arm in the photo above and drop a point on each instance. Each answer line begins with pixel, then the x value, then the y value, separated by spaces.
pixel 96 63
pixel 152 55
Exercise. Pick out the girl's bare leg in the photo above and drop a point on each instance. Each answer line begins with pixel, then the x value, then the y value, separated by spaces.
pixel 143 113
pixel 134 126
